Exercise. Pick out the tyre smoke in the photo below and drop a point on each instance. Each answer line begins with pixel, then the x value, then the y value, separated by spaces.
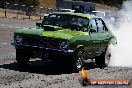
pixel 122 53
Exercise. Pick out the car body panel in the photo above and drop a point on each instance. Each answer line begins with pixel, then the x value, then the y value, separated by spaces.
pixel 93 43
pixel 62 34
pixel 32 31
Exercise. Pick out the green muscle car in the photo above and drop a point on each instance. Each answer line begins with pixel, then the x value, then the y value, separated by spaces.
pixel 69 37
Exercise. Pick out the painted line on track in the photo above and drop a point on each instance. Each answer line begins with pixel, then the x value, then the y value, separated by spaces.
pixel 2 25
pixel 10 26
pixel 17 27
pixel 5 43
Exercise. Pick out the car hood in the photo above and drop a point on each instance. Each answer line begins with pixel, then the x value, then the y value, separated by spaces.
pixel 62 34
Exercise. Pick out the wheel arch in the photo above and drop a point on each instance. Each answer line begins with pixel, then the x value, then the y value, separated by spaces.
pixel 79 47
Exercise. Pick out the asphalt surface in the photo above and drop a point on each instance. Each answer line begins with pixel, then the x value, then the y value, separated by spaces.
pixel 46 75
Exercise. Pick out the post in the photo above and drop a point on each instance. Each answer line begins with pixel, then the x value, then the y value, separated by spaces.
pixel 5 9
pixel 30 11
pixel 17 10
pixel 29 16
pixel 23 6
pixel 40 12
pixel 5 13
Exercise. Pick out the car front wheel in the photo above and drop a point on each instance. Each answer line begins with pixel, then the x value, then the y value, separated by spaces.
pixel 22 57
pixel 78 62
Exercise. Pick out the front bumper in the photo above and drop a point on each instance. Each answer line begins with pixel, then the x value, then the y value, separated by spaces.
pixel 43 49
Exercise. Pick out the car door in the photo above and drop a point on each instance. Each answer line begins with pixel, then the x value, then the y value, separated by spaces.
pixel 94 37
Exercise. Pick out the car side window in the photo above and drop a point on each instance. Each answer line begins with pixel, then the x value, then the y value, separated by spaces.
pixel 105 27
pixel 92 24
pixel 101 25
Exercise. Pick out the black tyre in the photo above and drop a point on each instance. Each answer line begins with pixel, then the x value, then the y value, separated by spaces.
pixel 22 57
pixel 77 61
pixel 103 59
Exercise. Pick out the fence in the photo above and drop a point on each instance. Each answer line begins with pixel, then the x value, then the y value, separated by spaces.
pixel 24 12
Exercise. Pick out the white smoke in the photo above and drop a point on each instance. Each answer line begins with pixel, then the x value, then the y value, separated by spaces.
pixel 122 53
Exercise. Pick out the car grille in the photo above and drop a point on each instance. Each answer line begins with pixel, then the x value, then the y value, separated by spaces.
pixel 40 41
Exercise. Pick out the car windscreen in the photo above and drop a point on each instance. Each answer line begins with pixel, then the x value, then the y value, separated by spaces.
pixel 67 21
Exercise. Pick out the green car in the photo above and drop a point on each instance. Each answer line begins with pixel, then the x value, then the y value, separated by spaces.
pixel 68 37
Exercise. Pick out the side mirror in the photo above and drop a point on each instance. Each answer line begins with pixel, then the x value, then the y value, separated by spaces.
pixel 38 24
pixel 92 31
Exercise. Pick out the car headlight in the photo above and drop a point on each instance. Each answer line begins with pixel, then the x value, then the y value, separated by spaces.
pixel 64 45
pixel 18 39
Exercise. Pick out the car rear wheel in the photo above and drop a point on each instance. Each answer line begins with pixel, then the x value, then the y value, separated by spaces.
pixel 103 59
pixel 22 57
